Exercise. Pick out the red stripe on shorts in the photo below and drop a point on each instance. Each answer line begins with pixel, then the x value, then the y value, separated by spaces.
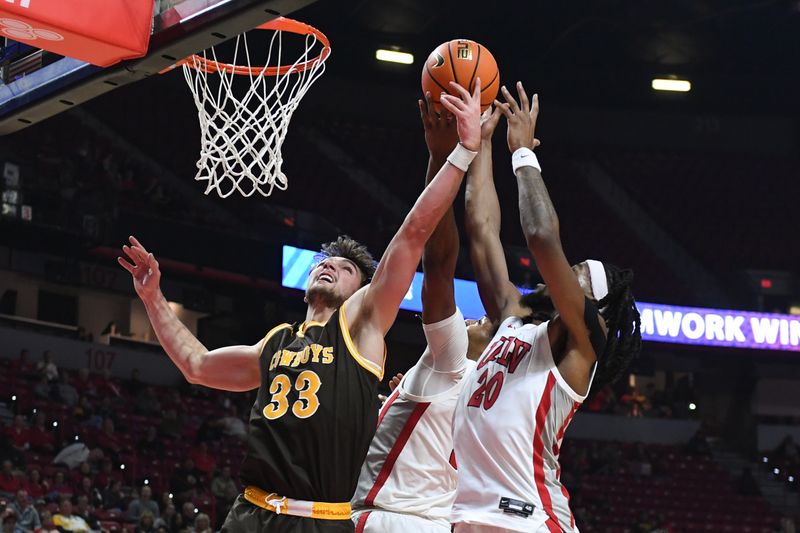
pixel 362 522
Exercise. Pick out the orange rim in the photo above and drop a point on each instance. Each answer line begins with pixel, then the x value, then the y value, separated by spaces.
pixel 279 24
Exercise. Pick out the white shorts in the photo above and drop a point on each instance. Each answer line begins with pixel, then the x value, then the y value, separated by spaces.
pixel 379 521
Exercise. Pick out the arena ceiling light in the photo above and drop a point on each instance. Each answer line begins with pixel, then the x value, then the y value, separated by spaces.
pixel 670 84
pixel 393 56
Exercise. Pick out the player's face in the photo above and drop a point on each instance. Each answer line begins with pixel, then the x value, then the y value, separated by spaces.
pixel 479 333
pixel 333 280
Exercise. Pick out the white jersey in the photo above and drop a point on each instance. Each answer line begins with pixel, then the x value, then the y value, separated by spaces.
pixel 508 426
pixel 409 467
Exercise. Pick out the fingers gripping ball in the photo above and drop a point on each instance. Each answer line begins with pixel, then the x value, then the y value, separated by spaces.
pixel 461 61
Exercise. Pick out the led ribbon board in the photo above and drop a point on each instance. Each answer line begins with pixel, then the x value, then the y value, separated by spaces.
pixel 660 323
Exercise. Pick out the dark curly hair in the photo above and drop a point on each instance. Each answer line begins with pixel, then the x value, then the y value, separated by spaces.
pixel 618 309
pixel 624 340
pixel 351 249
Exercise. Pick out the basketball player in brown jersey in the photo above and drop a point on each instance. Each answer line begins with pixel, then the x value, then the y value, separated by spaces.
pixel 316 409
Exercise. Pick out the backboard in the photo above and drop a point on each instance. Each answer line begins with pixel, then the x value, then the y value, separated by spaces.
pixel 36 85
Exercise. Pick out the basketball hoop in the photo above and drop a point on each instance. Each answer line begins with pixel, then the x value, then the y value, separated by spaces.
pixel 242 131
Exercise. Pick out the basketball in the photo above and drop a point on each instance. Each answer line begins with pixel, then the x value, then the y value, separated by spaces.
pixel 462 61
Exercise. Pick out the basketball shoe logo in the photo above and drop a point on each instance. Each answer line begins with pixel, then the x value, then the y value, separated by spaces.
pixel 18 30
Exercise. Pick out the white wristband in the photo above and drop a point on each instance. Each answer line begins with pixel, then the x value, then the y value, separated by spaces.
pixel 524 157
pixel 461 157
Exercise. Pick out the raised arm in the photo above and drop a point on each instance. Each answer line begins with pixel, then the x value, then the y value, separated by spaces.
pixel 482 223
pixel 441 251
pixel 539 220
pixel 374 308
pixel 234 368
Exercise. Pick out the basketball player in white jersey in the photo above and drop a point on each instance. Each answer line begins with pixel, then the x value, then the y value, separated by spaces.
pixel 550 345
pixel 408 479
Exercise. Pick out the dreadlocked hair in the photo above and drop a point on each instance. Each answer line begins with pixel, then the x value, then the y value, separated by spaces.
pixel 624 340
pixel 353 250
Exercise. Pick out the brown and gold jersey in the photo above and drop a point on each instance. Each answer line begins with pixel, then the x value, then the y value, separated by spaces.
pixel 315 414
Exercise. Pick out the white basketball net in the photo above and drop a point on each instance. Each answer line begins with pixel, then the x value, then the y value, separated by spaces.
pixel 242 134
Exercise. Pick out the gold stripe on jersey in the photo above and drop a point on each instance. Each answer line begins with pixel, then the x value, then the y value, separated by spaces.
pixel 269 335
pixel 351 346
pixel 301 331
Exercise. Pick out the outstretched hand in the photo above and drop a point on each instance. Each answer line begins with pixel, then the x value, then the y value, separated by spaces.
pixel 489 122
pixel 441 135
pixel 467 109
pixel 521 118
pixel 145 272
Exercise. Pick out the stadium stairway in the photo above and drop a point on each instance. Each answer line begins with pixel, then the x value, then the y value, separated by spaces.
pixel 774 490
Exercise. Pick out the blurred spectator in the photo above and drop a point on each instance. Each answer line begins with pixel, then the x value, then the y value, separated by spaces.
pixel 84 383
pixel 59 487
pixel 107 439
pixel 34 485
pixel 203 461
pixel 185 480
pixel 107 474
pixel 47 366
pixel 8 518
pixel 603 401
pixel 105 410
pixel 167 518
pixel 634 401
pixel 644 524
pixel 746 484
pixel 233 425
pixel 171 427
pixel 66 520
pixel 134 385
pixel 202 524
pixel 224 487
pixel 43 390
pixel 146 523
pixel 47 522
pixel 9 482
pixel 67 393
pixel 188 513
pixel 113 497
pixel 42 438
pixel 147 402
pixel 86 511
pixel 151 444
pixel 225 490
pixel 180 523
pixel 18 434
pixel 22 366
pixel 88 489
pixel 27 516
pixel 84 413
pixel 144 503
pixel 84 470
pixel 106 386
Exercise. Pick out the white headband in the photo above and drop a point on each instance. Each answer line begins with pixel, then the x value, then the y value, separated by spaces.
pixel 597 273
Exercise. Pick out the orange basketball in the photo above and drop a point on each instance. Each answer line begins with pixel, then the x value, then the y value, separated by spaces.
pixel 461 60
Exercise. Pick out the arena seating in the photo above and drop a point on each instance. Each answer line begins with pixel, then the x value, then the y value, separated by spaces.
pixel 615 487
